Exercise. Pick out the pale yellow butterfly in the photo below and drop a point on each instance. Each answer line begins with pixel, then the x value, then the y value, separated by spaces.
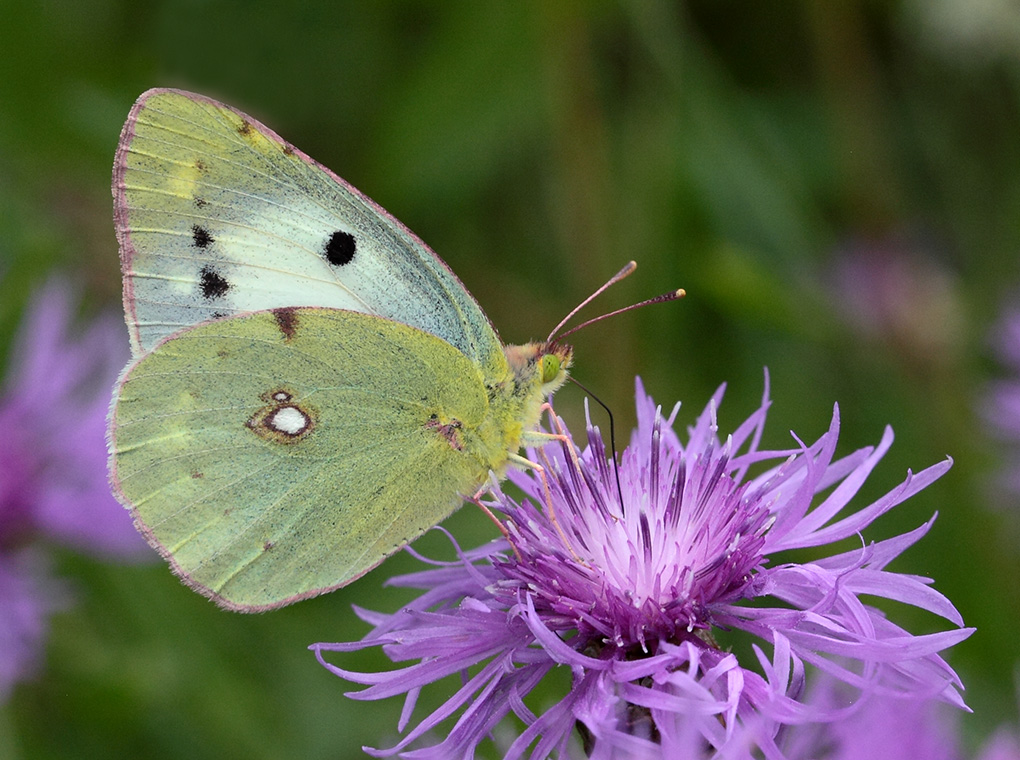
pixel 313 388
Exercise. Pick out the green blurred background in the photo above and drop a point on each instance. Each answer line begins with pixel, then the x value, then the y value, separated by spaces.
pixel 752 153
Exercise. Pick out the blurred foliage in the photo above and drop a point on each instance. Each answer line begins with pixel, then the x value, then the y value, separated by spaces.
pixel 752 153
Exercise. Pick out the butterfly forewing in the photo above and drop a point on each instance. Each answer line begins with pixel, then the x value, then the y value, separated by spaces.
pixel 217 215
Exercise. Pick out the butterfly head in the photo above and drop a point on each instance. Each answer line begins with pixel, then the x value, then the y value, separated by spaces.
pixel 554 361
pixel 540 366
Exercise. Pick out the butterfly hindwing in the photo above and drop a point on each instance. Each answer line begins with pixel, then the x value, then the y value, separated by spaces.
pixel 217 215
pixel 279 454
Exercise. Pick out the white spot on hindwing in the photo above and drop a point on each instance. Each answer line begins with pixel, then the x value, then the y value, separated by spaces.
pixel 282 420
pixel 289 420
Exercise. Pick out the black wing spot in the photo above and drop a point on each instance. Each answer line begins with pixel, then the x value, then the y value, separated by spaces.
pixel 340 248
pixel 213 284
pixel 245 128
pixel 201 202
pixel 200 236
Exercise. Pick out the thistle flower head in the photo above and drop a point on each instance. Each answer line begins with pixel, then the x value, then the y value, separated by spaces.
pixel 644 563
pixel 629 583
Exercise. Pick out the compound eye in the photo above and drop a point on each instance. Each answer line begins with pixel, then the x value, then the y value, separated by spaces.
pixel 550 368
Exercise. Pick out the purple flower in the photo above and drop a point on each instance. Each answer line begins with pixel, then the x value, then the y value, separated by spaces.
pixel 1003 745
pixel 26 599
pixel 891 728
pixel 894 290
pixel 1001 402
pixel 642 588
pixel 53 483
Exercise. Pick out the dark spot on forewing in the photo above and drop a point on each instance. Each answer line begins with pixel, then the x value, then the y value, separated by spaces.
pixel 288 149
pixel 245 128
pixel 201 202
pixel 287 321
pixel 212 284
pixel 340 248
pixel 200 236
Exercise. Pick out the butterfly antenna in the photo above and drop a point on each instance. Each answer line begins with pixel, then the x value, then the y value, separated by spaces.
pixel 670 296
pixel 625 272
pixel 612 434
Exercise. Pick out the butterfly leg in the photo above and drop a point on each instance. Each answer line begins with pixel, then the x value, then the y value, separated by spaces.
pixel 477 500
pixel 540 438
pixel 523 462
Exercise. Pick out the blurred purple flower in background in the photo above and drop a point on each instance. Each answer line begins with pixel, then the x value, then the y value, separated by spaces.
pixel 890 728
pixel 53 483
pixel 894 290
pixel 633 587
pixel 1001 399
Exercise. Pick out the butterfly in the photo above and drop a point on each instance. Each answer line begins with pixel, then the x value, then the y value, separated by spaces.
pixel 312 388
